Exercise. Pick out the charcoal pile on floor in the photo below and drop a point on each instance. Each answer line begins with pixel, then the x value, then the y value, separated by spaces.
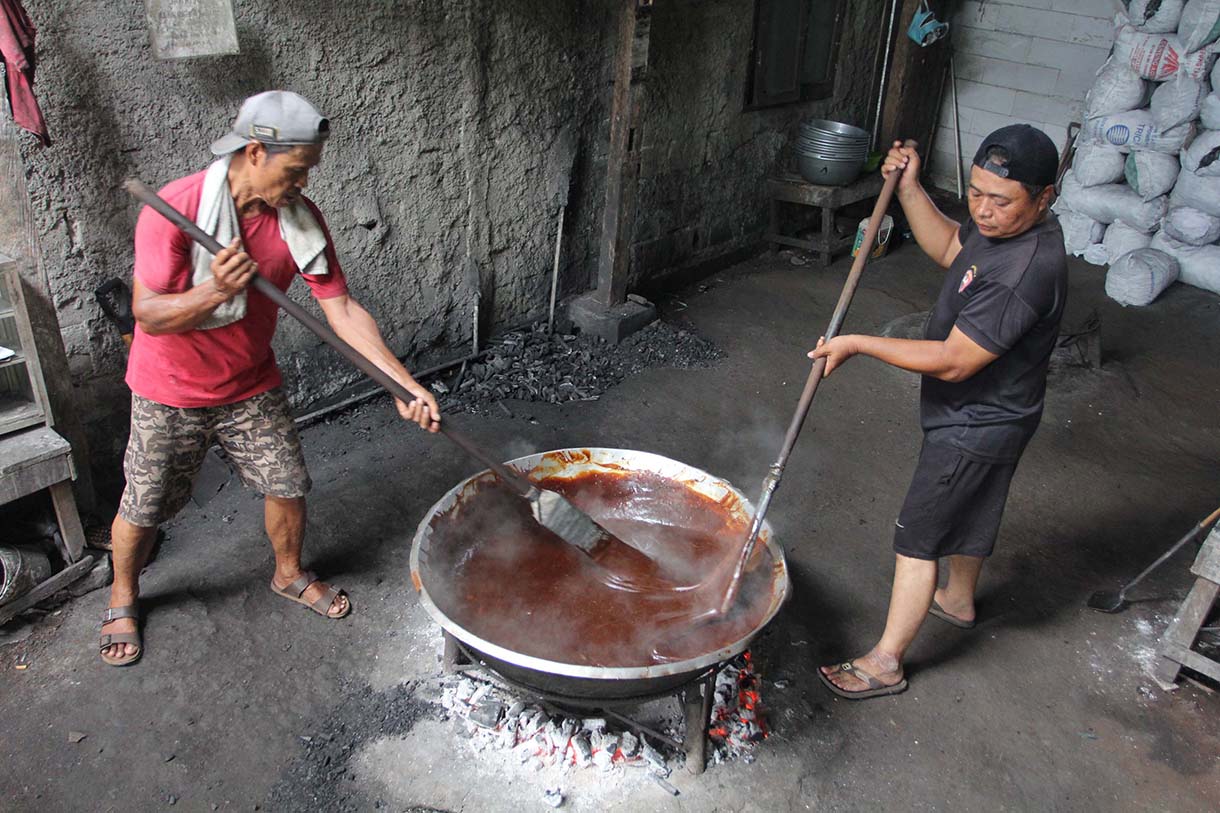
pixel 532 365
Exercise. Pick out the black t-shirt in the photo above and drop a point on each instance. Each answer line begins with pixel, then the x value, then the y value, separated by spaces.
pixel 1007 296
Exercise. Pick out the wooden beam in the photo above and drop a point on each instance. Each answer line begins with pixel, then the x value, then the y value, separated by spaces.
pixel 623 162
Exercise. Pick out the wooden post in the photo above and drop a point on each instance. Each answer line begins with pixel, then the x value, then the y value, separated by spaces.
pixel 623 163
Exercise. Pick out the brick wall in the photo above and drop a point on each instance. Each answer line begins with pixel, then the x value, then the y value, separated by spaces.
pixel 1028 61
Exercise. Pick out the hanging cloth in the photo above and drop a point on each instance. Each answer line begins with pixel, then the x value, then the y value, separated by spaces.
pixel 17 48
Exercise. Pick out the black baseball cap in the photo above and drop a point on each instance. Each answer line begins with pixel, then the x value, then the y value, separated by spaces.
pixel 1032 157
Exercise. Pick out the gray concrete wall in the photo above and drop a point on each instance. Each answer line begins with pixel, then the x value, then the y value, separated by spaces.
pixel 704 160
pixel 445 117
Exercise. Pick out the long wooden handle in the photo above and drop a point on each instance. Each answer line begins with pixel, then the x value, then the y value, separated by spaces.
pixel 811 386
pixel 261 284
pixel 840 312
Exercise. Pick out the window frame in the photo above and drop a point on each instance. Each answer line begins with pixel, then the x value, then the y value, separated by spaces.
pixel 805 91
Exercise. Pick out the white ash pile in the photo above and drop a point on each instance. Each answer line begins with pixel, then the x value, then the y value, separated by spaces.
pixel 494 720
pixel 532 365
pixel 1143 194
pixel 739 719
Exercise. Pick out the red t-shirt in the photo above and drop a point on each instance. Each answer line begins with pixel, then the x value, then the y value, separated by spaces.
pixel 201 368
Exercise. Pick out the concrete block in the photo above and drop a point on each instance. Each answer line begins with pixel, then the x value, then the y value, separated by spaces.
pixel 1074 84
pixel 989 98
pixel 994 44
pixel 612 324
pixel 1032 107
pixel 1098 33
pixel 1051 25
pixel 978 15
pixel 1101 9
pixel 1067 56
pixel 984 123
pixel 1003 73
pixel 1042 4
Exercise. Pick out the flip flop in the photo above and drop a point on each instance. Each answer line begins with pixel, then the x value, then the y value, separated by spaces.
pixel 875 687
pixel 110 638
pixel 940 613
pixel 297 588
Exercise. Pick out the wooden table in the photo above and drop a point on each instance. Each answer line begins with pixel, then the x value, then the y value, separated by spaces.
pixel 793 189
pixel 38 458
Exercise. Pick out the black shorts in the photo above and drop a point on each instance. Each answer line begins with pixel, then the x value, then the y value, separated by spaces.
pixel 954 505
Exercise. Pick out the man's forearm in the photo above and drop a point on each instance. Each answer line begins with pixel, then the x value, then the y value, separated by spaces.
pixel 357 328
pixel 926 357
pixel 933 231
pixel 177 313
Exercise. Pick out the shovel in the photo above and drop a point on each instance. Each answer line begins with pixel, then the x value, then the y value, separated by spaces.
pixel 627 568
pixel 1108 601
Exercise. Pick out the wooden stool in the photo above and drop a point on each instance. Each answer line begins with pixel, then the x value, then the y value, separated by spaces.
pixel 1175 651
pixel 792 188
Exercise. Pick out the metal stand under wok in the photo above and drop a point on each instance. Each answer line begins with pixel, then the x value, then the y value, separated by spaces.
pixel 695 696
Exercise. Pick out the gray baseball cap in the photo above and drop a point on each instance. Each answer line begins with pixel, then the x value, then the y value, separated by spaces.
pixel 275 117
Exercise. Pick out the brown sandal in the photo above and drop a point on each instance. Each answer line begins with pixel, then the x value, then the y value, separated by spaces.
pixel 109 639
pixel 322 606
pixel 875 687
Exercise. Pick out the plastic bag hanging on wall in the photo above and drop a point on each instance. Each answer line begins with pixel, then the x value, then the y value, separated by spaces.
pixel 181 29
pixel 925 29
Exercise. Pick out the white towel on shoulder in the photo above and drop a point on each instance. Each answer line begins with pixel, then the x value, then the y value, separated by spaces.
pixel 218 217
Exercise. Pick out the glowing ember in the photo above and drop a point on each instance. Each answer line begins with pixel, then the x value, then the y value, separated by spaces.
pixel 738 715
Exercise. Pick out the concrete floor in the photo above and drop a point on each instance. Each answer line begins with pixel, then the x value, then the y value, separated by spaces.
pixel 1046 705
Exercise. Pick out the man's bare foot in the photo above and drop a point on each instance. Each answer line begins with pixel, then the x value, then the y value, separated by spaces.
pixel 962 610
pixel 886 669
pixel 339 606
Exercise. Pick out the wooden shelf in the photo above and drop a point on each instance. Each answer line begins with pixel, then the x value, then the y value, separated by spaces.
pixel 16 414
pixel 12 361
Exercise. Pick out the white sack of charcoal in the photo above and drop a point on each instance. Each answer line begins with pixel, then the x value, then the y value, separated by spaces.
pixel 1160 57
pixel 1138 277
pixel 1202 157
pixel 1116 89
pixel 1096 164
pixel 1121 239
pixel 1079 231
pixel 1191 226
pixel 1209 112
pixel 1134 131
pixel 1178 101
pixel 1197 265
pixel 1197 191
pixel 1199 24
pixel 1155 16
pixel 1151 174
pixel 1110 202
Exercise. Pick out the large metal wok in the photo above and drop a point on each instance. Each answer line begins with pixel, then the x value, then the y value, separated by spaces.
pixel 430 569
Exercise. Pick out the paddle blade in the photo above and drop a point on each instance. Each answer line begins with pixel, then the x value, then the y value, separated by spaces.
pixel 1106 601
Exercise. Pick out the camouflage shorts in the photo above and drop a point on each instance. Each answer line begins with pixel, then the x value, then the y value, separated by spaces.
pixel 168 444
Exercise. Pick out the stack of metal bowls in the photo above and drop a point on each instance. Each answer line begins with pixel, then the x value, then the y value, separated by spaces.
pixel 831 153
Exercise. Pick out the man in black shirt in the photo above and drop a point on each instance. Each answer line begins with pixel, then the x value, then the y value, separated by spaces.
pixel 984 361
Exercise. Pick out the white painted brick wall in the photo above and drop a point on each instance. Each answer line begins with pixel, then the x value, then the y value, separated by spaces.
pixel 1019 61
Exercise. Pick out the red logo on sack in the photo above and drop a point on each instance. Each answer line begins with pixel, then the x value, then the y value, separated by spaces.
pixel 968 278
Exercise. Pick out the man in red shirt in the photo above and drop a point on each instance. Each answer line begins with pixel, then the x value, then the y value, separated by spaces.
pixel 201 367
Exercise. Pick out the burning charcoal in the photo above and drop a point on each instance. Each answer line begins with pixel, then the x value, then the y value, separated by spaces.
pixel 630 744
pixel 479 694
pixel 515 709
pixel 610 744
pixel 584 750
pixel 465 689
pixel 603 760
pixel 487 715
pixel 567 728
pixel 553 797
pixel 594 724
pixel 665 786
